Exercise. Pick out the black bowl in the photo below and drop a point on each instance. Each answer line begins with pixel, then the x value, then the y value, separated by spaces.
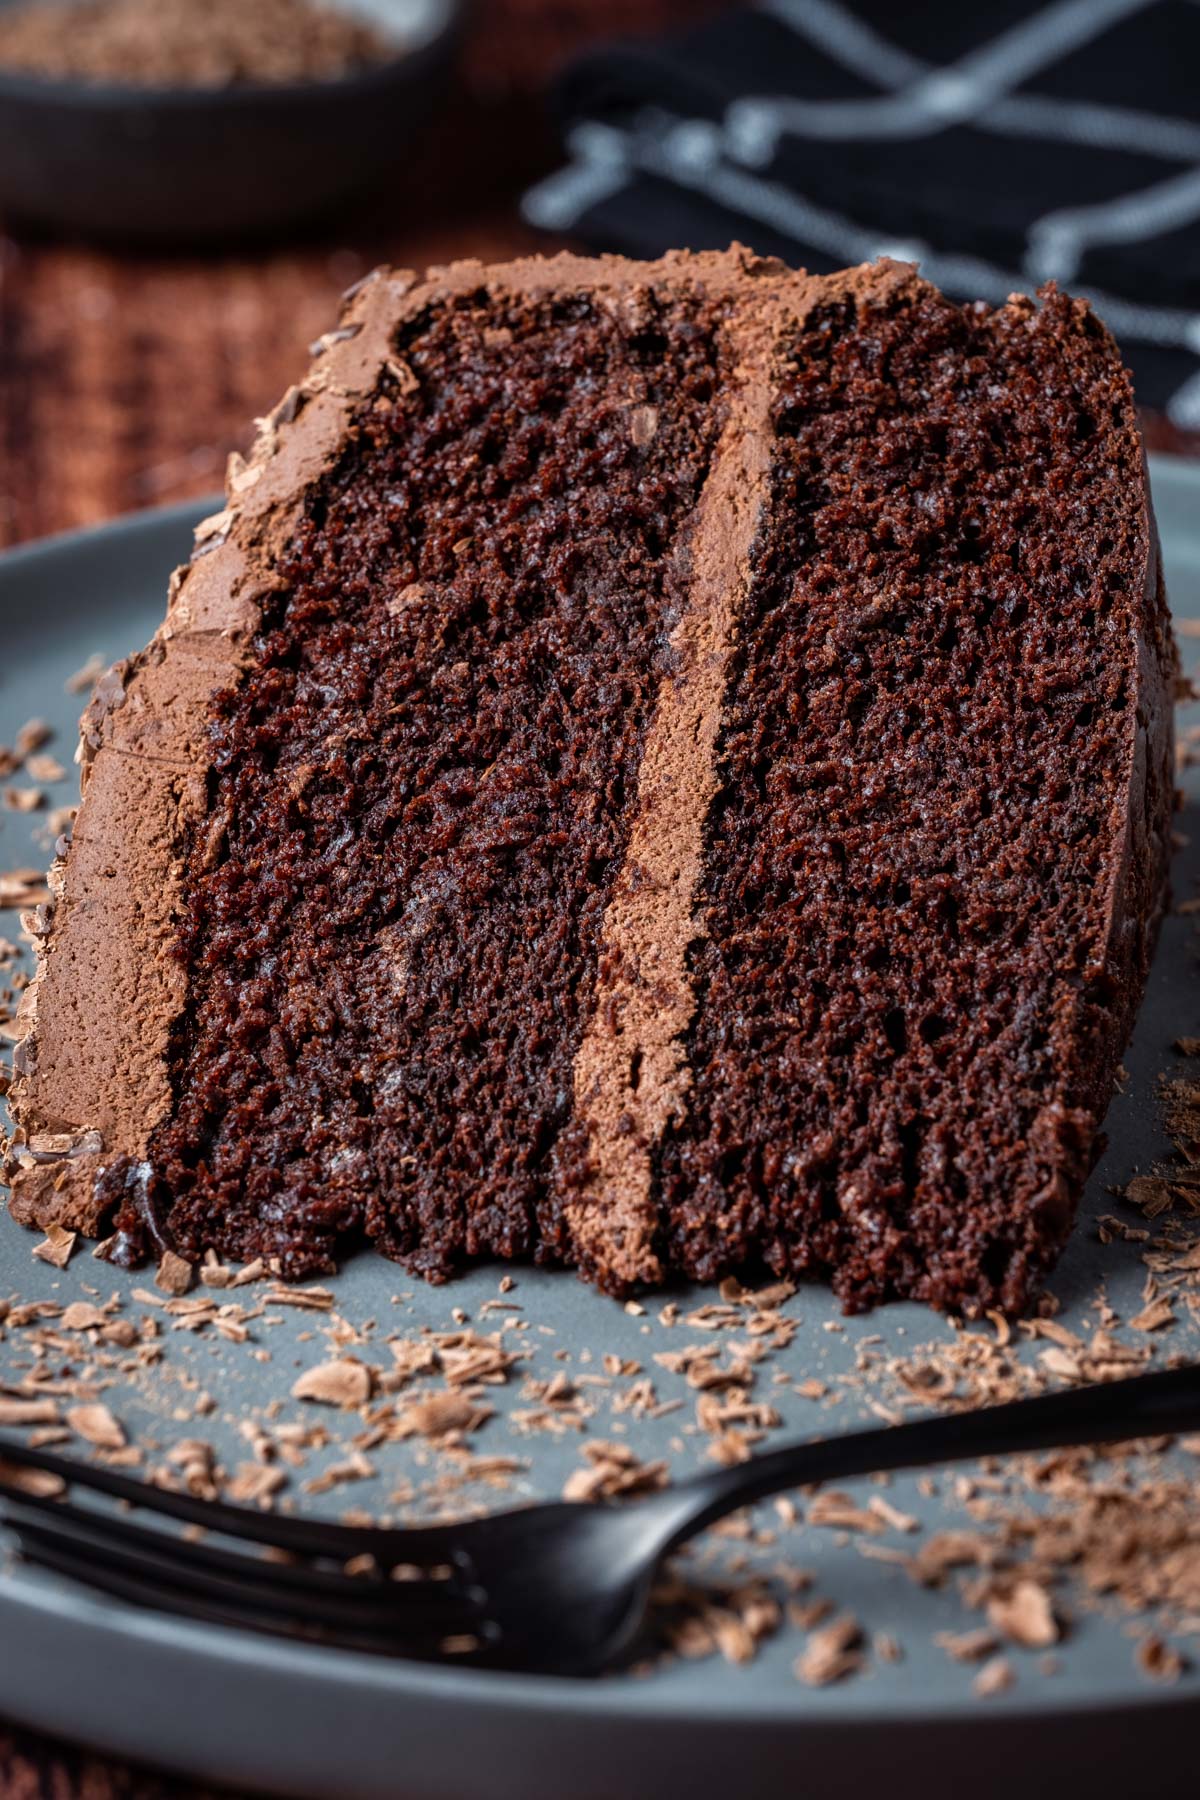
pixel 190 165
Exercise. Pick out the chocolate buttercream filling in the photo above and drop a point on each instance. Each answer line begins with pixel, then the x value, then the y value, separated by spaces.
pixel 631 1075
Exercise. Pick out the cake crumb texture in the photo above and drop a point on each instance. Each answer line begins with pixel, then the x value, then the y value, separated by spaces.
pixel 658 768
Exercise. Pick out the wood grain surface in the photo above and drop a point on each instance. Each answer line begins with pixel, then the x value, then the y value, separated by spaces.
pixel 36 1769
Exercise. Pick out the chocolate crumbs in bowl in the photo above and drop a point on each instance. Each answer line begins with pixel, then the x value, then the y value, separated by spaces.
pixel 178 43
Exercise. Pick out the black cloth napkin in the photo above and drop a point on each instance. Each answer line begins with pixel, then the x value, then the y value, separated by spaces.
pixel 999 143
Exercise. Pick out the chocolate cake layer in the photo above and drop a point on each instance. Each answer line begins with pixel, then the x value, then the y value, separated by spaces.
pixel 909 992
pixel 421 792
pixel 658 767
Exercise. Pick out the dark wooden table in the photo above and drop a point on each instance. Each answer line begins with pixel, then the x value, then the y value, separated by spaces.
pixel 125 381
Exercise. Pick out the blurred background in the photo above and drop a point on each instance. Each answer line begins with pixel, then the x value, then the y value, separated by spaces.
pixel 186 186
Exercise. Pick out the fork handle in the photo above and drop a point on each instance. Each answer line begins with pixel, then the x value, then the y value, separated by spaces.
pixel 1153 1405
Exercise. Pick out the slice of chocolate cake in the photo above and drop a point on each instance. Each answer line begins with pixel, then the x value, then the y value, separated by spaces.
pixel 657 768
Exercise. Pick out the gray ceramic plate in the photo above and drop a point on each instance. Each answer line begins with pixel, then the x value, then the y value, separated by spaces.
pixel 253 1711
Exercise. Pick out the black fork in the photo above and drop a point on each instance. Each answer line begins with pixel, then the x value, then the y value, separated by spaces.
pixel 557 1587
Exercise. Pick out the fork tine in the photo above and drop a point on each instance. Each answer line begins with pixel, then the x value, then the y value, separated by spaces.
pixel 305 1578
pixel 421 1545
pixel 168 1562
pixel 163 1597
